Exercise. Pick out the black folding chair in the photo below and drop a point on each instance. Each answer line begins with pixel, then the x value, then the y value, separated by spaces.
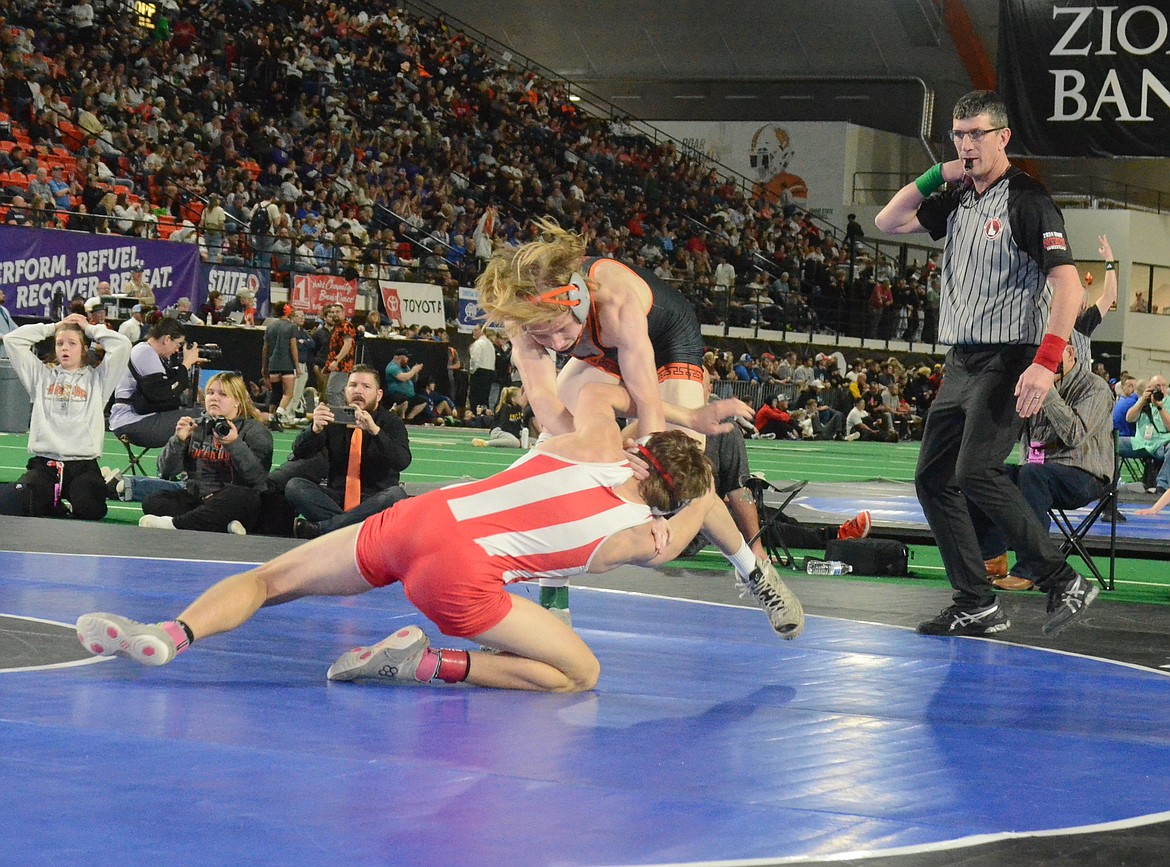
pixel 1074 537
pixel 134 467
pixel 759 487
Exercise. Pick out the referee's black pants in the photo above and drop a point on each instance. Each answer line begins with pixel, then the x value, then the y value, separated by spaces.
pixel 971 428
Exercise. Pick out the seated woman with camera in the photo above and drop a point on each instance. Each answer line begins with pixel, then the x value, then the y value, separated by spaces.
pixel 226 455
pixel 148 397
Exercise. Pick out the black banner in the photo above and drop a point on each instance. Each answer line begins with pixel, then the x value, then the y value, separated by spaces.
pixel 1082 79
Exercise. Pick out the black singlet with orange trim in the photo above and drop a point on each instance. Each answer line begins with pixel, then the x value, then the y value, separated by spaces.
pixel 670 321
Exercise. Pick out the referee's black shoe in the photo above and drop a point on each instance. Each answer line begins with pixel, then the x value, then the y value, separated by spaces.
pixel 1067 601
pixel 962 621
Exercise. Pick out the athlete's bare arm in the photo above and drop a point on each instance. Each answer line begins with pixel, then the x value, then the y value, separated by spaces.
pixel 623 300
pixel 637 546
pixel 538 372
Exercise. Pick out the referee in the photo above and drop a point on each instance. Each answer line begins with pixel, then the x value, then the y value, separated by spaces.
pixel 1005 246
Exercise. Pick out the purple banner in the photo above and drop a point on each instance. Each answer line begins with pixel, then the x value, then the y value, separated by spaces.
pixel 228 280
pixel 36 264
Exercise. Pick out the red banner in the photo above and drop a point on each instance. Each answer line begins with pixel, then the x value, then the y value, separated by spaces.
pixel 311 292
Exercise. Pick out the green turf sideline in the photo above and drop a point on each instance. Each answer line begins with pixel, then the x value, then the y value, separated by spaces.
pixel 441 454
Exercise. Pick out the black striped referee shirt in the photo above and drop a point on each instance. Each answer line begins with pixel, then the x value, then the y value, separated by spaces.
pixel 999 248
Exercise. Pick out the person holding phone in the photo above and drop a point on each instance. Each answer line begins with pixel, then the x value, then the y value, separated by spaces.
pixel 226 455
pixel 366 450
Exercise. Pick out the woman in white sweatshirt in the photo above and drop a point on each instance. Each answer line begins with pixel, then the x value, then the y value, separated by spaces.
pixel 68 425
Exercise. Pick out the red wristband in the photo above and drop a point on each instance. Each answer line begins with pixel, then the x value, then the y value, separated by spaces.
pixel 1050 351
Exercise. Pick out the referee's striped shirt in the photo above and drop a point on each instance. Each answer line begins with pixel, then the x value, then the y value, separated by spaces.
pixel 999 248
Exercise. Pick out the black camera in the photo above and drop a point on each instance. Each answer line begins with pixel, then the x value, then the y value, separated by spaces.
pixel 219 426
pixel 1157 395
pixel 210 352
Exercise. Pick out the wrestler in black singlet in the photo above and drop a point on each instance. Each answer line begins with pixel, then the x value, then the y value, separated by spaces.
pixel 671 323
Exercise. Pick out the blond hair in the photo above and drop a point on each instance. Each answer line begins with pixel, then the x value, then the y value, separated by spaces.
pixel 515 277
pixel 236 388
pixel 508 395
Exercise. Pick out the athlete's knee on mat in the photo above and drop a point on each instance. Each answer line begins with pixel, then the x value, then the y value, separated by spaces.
pixel 583 676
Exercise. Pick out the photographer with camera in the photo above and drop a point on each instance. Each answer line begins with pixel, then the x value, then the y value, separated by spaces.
pixel 366 446
pixel 1151 420
pixel 147 401
pixel 226 455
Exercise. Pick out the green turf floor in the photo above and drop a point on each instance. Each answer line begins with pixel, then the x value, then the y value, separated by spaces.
pixel 442 454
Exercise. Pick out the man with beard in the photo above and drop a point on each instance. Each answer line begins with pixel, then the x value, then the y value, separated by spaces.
pixel 364 456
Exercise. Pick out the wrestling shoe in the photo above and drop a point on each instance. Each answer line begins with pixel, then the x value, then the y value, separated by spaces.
pixel 856 528
pixel 110 635
pixel 959 621
pixel 772 594
pixel 1067 601
pixel 395 657
pixel 236 528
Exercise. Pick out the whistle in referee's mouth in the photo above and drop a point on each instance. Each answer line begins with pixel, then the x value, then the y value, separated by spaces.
pixel 968 164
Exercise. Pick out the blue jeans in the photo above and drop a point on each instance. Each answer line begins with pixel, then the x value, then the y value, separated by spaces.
pixel 1044 486
pixel 322 505
pixel 138 488
pixel 1132 447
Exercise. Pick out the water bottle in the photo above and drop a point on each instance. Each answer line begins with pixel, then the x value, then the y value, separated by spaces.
pixel 826 567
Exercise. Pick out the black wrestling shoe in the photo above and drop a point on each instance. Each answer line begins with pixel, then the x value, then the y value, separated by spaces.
pixel 959 621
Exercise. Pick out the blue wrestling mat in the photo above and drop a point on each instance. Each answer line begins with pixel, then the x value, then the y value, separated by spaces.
pixel 708 739
pixel 894 506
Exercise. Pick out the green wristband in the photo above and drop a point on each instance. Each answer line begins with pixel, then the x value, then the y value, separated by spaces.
pixel 930 180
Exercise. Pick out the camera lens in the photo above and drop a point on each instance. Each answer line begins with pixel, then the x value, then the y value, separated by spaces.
pixel 1158 395
pixel 221 427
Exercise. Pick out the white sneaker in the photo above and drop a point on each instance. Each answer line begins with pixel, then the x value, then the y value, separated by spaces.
pixel 157 522
pixel 853 436
pixel 780 604
pixel 237 529
pixel 110 635
pixel 395 657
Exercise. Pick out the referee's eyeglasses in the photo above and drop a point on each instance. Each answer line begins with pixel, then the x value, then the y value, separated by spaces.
pixel 976 135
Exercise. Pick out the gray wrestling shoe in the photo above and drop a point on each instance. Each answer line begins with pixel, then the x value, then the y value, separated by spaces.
pixel 1067 602
pixel 395 657
pixel 110 635
pixel 780 604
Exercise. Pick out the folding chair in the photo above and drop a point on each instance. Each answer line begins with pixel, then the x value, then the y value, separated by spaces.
pixel 758 487
pixel 134 467
pixel 1137 469
pixel 1074 537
